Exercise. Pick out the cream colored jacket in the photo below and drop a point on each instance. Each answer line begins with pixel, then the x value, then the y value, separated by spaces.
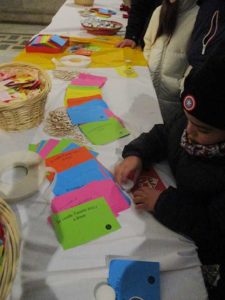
pixel 167 58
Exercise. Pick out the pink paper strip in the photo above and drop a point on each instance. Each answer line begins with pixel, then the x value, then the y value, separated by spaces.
pixel 102 188
pixel 109 113
pixel 48 147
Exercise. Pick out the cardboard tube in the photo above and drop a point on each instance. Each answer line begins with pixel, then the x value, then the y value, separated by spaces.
pixel 29 184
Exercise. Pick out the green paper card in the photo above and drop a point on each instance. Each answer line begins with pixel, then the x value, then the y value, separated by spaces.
pixel 104 132
pixel 32 147
pixel 84 88
pixel 84 223
pixel 64 143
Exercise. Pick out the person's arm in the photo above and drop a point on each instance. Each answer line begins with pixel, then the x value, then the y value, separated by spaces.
pixel 199 218
pixel 139 16
pixel 140 153
pixel 149 147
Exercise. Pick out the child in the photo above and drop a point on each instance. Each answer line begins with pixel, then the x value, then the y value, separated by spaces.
pixel 166 42
pixel 194 144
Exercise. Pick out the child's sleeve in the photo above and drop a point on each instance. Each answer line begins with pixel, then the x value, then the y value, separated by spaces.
pixel 202 220
pixel 150 147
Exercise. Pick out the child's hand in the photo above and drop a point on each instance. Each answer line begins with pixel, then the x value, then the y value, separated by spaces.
pixel 146 198
pixel 126 43
pixel 131 164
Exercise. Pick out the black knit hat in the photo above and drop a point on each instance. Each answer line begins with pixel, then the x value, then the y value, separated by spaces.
pixel 204 91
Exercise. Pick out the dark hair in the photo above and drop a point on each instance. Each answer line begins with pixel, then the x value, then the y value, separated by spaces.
pixel 167 18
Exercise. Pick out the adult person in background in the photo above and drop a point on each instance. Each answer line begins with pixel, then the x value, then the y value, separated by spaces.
pixel 139 16
pixel 166 42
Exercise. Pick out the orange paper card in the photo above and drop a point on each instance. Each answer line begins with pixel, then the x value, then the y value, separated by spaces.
pixel 69 159
pixel 78 101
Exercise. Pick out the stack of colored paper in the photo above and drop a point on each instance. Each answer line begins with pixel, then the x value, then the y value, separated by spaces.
pixel 87 109
pixel 47 43
pixel 83 49
pixel 84 191
pixel 18 83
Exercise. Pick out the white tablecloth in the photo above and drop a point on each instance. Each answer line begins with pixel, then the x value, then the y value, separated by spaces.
pixel 48 272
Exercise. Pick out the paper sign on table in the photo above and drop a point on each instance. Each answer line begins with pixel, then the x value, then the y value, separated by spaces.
pixel 100 133
pixel 102 188
pixel 135 279
pixel 79 176
pixel 84 223
pixel 69 159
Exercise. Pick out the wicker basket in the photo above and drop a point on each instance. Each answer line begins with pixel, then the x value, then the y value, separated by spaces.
pixel 84 2
pixel 12 249
pixel 19 115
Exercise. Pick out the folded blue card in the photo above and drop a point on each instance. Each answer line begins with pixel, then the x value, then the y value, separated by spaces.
pixel 79 176
pixel 136 280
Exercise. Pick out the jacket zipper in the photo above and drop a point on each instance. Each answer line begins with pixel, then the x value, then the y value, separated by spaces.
pixel 210 34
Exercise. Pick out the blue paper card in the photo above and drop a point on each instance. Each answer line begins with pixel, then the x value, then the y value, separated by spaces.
pixel 136 280
pixel 71 147
pixel 92 103
pixel 106 11
pixel 79 115
pixel 79 176
pixel 58 40
pixel 41 145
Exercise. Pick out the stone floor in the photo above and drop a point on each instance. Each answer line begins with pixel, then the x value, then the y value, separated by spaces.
pixel 13 37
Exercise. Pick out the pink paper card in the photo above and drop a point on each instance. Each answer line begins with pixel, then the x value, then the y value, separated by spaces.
pixel 89 80
pixel 110 114
pixel 102 188
pixel 48 147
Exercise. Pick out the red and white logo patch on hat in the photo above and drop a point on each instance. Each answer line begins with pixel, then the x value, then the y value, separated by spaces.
pixel 189 103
